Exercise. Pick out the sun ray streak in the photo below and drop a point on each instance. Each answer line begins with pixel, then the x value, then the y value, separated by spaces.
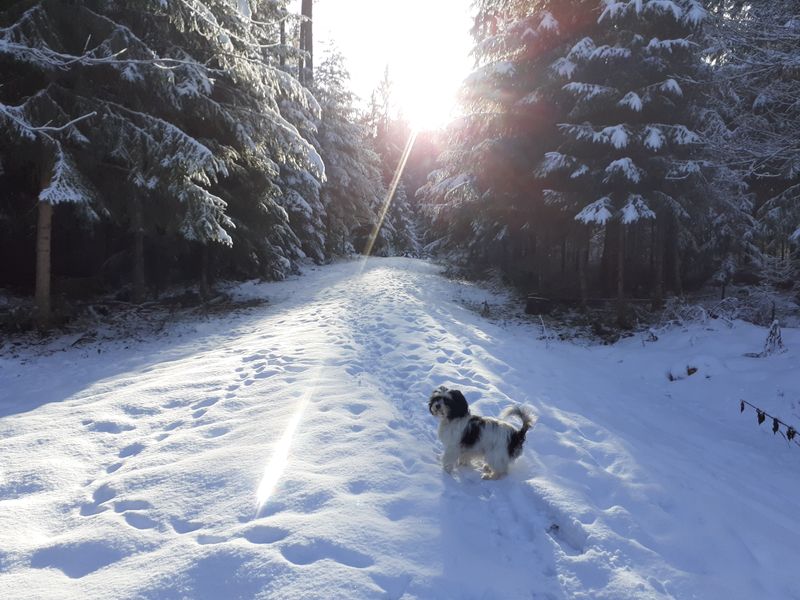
pixel 276 466
pixel 412 137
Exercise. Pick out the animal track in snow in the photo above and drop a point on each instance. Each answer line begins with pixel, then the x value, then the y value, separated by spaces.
pixel 306 554
pixel 216 432
pixel 131 450
pixel 139 521
pixel 100 496
pixel 77 559
pixel 206 403
pixel 264 534
pixel 107 426
pixel 182 526
pixel 124 505
pixel 205 539
pixel 398 509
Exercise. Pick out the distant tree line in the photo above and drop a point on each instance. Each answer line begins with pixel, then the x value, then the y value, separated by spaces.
pixel 625 147
pixel 148 142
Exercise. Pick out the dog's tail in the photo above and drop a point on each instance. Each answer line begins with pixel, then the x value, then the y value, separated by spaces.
pixel 517 438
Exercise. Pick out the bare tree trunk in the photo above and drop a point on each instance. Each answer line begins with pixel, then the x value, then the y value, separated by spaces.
pixel 676 259
pixel 657 269
pixel 606 261
pixel 282 58
pixel 537 262
pixel 205 287
pixel 307 43
pixel 583 257
pixel 138 251
pixel 44 231
pixel 621 276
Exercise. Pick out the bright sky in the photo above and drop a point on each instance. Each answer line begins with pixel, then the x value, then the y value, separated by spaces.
pixel 426 44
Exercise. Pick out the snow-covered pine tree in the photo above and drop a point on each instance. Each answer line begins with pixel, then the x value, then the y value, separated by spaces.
pixel 301 195
pixel 630 153
pixel 405 241
pixel 485 200
pixel 392 139
pixel 180 94
pixel 757 133
pixel 353 185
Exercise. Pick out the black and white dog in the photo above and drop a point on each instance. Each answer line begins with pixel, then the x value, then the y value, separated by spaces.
pixel 467 437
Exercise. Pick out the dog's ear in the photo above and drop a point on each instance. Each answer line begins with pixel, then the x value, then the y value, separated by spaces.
pixel 457 404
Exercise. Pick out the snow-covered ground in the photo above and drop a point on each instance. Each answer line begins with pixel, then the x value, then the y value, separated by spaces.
pixel 287 452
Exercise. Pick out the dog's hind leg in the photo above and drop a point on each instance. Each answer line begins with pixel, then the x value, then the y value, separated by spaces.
pixel 496 467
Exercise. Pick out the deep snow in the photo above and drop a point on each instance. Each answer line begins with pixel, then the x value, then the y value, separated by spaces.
pixel 286 452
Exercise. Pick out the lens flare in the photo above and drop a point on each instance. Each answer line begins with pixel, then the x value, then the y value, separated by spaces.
pixel 280 457
pixel 412 137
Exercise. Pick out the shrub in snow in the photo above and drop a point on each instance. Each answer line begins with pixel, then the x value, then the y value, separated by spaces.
pixel 774 341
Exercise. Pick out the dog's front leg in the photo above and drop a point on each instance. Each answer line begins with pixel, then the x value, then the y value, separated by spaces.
pixel 449 459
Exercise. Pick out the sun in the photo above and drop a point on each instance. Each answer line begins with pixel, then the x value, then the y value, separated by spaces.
pixel 427 106
pixel 425 45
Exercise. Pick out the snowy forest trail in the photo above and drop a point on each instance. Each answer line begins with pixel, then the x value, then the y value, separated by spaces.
pixel 287 452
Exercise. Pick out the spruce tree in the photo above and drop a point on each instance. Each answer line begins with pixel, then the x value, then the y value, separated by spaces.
pixel 160 122
pixel 630 151
pixel 352 167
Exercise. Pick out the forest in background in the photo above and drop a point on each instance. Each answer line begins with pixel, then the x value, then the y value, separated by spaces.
pixel 150 143
pixel 628 149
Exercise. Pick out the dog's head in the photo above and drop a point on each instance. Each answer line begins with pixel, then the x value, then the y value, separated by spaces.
pixel 448 404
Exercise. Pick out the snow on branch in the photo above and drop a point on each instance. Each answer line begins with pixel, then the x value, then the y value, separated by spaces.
pixel 624 168
pixel 689 13
pixel 668 45
pixel 548 22
pixel 671 86
pixel 636 209
pixel 589 91
pixel 66 184
pixel 613 135
pixel 598 212
pixel 653 138
pixel 582 50
pixel 564 67
pixel 606 52
pixel 633 101
pixel 554 161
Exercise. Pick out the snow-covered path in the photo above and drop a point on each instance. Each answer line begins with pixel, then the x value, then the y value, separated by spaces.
pixel 288 453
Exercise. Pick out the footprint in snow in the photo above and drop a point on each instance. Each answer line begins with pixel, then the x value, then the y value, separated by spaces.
pixel 182 526
pixel 100 496
pixel 131 450
pixel 139 521
pixel 316 550
pixel 264 534
pixel 216 432
pixel 107 426
pixel 206 539
pixel 77 559
pixel 125 505
pixel 206 403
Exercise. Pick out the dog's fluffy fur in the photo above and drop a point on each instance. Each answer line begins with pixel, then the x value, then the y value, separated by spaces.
pixel 467 437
